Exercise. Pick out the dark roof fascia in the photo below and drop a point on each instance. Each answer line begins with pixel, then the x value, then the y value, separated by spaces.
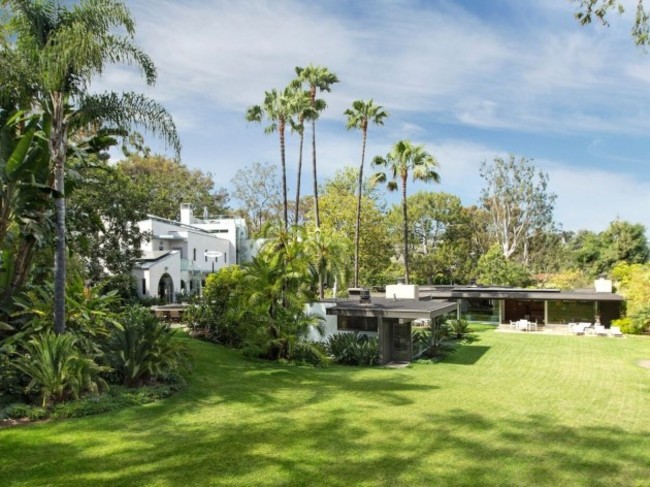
pixel 402 310
pixel 534 295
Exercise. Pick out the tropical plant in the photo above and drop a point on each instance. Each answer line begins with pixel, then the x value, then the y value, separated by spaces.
pixel 433 341
pixel 278 109
pixel 210 318
pixel 403 159
pixel 316 78
pixel 278 337
pixel 26 211
pixel 327 249
pixel 353 349
pixel 143 349
pixel 303 110
pixel 90 313
pixel 359 116
pixel 67 48
pixel 459 328
pixel 57 369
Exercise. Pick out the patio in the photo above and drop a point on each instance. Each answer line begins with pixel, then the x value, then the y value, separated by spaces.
pixel 575 329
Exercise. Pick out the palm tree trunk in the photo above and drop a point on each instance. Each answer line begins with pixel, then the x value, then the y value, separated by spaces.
pixel 285 212
pixel 297 213
pixel 313 153
pixel 357 227
pixel 22 264
pixel 406 233
pixel 57 142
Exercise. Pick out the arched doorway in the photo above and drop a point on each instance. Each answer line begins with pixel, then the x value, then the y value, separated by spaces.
pixel 166 288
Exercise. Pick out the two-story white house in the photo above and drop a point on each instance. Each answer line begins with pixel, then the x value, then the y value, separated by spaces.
pixel 178 256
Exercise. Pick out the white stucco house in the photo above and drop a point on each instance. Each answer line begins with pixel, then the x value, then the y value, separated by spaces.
pixel 178 255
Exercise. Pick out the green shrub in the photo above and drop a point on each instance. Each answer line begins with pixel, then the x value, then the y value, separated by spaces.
pixel 201 322
pixel 21 410
pixel 459 328
pixel 433 342
pixel 353 349
pixel 57 369
pixel 143 349
pixel 311 353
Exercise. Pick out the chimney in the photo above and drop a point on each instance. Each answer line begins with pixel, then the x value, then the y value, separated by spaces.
pixel 603 285
pixel 186 214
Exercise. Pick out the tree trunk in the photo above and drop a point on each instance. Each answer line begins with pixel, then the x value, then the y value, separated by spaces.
pixel 313 154
pixel 285 212
pixel 357 227
pixel 57 143
pixel 406 233
pixel 21 265
pixel 297 213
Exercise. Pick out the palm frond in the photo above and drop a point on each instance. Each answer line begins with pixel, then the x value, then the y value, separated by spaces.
pixel 131 109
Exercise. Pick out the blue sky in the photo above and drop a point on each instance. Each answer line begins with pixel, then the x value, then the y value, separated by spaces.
pixel 470 80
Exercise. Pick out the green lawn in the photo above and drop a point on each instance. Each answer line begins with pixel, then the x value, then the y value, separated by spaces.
pixel 510 409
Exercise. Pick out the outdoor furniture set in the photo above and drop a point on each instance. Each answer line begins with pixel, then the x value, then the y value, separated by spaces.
pixel 594 329
pixel 523 325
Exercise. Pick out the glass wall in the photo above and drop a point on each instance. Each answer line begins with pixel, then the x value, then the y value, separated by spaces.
pixel 357 323
pixel 571 311
pixel 485 310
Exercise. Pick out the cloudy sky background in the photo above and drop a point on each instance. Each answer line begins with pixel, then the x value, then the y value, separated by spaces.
pixel 470 80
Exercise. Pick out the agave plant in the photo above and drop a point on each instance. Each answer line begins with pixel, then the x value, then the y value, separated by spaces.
pixel 143 349
pixel 433 341
pixel 57 369
pixel 353 348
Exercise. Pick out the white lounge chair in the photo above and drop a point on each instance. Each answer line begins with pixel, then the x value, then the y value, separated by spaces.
pixel 600 330
pixel 615 331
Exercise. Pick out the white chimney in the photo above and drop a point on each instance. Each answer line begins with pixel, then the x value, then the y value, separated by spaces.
pixel 402 291
pixel 186 214
pixel 603 285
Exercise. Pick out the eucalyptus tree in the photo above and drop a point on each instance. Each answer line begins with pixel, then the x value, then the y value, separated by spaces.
pixel 67 47
pixel 317 78
pixel 519 203
pixel 277 108
pixel 590 10
pixel 403 159
pixel 359 116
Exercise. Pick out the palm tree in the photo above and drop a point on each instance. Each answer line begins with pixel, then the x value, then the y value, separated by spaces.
pixel 303 109
pixel 327 251
pixel 362 113
pixel 278 109
pixel 317 78
pixel 404 158
pixel 67 48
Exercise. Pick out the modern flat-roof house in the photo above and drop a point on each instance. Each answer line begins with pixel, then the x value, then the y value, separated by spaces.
pixel 389 317
pixel 545 306
pixel 179 255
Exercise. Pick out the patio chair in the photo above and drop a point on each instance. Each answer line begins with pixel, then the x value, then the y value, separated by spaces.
pixel 600 330
pixel 586 327
pixel 579 328
pixel 615 331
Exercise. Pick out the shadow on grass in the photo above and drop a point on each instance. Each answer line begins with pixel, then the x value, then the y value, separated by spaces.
pixel 253 423
pixel 466 355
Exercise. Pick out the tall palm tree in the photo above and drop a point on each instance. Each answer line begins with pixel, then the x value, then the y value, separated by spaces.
pixel 303 111
pixel 406 157
pixel 359 116
pixel 317 78
pixel 278 109
pixel 67 48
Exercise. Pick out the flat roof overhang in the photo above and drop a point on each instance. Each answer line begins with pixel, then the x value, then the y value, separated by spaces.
pixel 388 308
pixel 532 295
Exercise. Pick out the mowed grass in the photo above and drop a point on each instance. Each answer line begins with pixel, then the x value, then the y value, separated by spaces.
pixel 509 409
